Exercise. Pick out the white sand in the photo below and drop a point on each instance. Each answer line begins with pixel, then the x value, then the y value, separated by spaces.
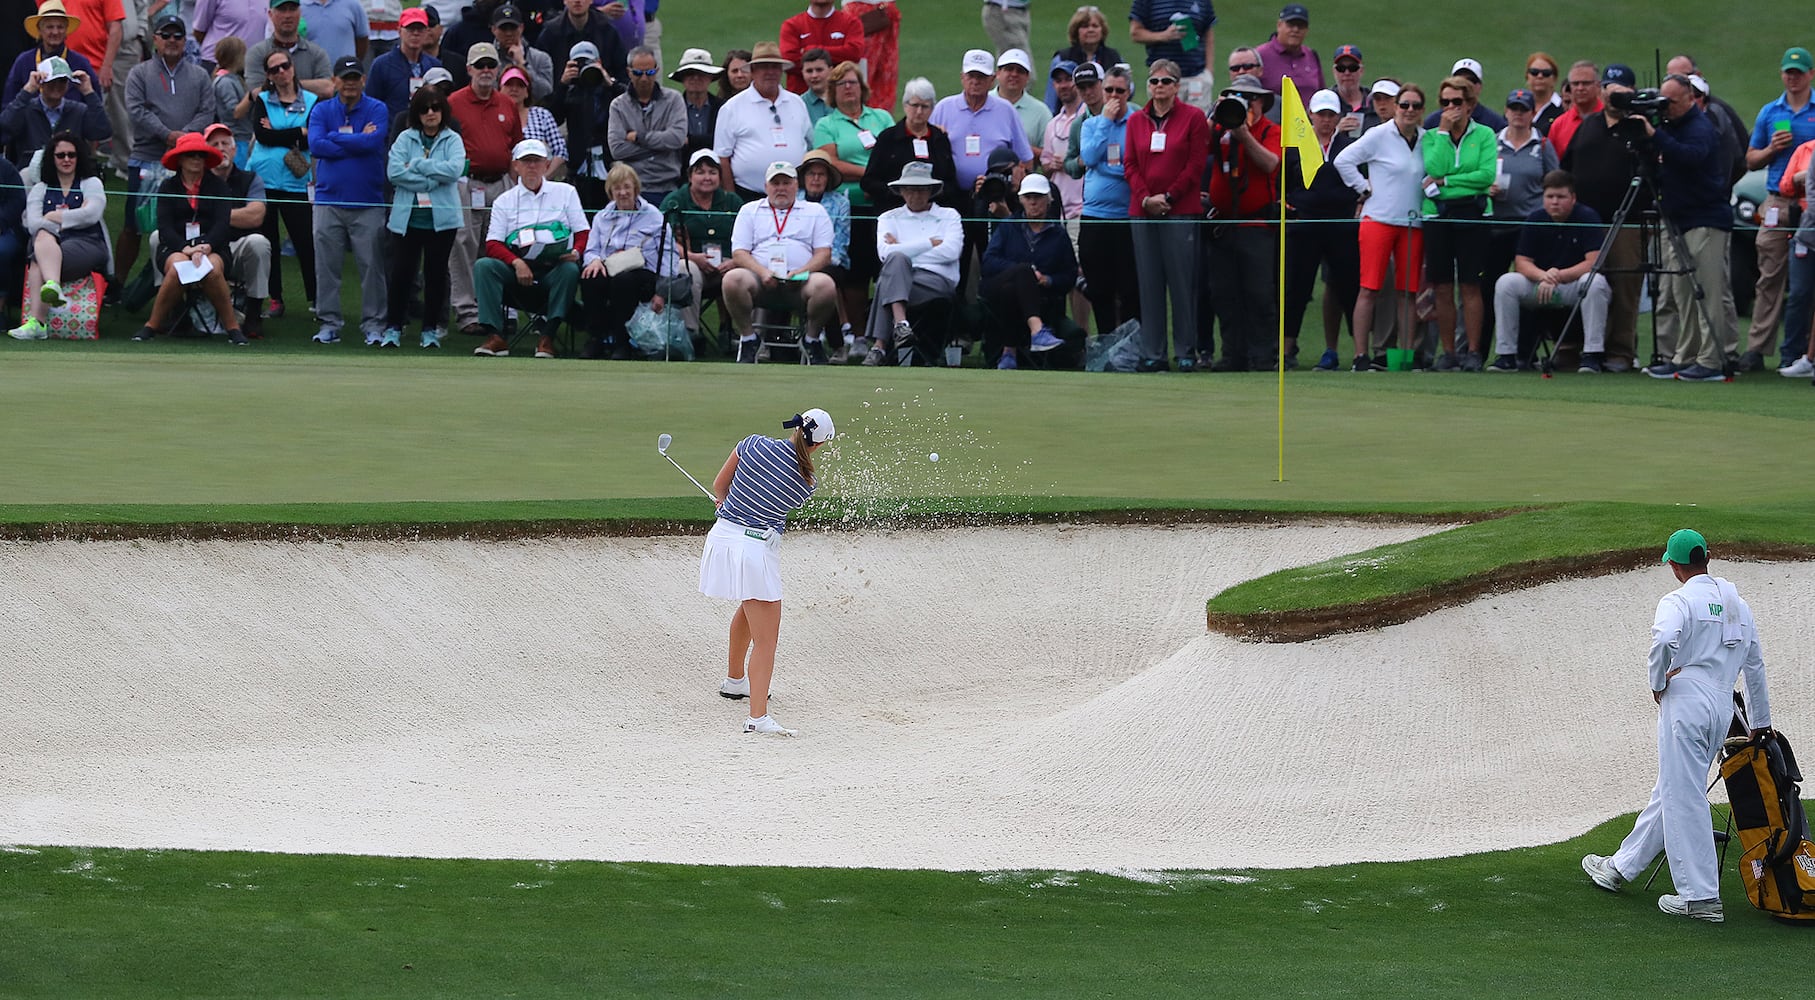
pixel 996 698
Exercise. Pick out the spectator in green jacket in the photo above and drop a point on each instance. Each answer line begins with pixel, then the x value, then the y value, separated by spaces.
pixel 1459 159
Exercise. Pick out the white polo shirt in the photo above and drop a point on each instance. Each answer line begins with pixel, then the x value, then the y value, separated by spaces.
pixel 520 207
pixel 774 235
pixel 755 132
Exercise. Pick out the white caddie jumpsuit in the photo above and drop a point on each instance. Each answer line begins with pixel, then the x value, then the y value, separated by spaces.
pixel 1704 629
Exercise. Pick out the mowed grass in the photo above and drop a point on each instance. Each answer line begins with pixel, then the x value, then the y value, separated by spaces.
pixel 89 922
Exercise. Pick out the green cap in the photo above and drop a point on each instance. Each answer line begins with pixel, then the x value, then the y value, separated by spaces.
pixel 1683 542
pixel 1797 57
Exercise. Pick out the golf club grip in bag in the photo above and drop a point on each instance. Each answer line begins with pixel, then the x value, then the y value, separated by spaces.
pixel 1776 861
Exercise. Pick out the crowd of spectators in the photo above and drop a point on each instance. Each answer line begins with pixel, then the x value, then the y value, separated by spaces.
pixel 496 159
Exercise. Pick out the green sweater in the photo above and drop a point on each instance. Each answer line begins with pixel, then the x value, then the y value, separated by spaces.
pixel 1467 171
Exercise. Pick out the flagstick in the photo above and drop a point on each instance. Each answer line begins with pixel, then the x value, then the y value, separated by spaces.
pixel 1282 311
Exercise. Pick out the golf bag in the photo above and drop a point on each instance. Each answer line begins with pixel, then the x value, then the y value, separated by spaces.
pixel 1776 861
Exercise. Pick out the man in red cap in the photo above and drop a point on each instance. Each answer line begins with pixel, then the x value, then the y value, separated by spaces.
pixel 397 75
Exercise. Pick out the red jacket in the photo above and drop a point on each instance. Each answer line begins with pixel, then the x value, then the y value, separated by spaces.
pixel 841 35
pixel 1241 192
pixel 1178 170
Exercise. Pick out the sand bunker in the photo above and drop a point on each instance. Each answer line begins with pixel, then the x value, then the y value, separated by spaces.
pixel 1038 697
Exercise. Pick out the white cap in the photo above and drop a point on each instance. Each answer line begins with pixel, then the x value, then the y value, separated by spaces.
pixel 54 68
pixel 1015 57
pixel 1326 100
pixel 528 148
pixel 1036 184
pixel 816 422
pixel 780 168
pixel 1387 87
pixel 1700 85
pixel 437 74
pixel 980 61
pixel 1470 65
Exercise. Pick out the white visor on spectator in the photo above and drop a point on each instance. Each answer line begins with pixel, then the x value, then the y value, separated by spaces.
pixel 1386 87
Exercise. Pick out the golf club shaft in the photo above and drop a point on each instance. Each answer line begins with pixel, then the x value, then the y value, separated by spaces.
pixel 690 478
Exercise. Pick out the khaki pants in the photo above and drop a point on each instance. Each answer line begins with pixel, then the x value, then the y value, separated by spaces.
pixel 123 61
pixel 1701 333
pixel 1007 29
pixel 1624 259
pixel 469 246
pixel 1773 244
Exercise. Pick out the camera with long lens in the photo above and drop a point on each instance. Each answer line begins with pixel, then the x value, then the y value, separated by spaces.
pixel 1648 103
pixel 998 181
pixel 591 73
pixel 1231 112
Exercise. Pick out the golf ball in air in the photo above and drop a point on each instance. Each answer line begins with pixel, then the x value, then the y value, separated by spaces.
pixel 934 457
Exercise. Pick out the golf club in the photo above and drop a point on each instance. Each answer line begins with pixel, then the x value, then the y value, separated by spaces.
pixel 661 444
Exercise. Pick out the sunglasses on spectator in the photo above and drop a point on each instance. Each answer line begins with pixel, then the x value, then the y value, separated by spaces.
pixel 486 64
pixel 1348 68
pixel 1242 67
pixel 170 34
pixel 66 154
pixel 642 72
pixel 1412 105
pixel 277 68
pixel 1452 102
pixel 1541 73
pixel 1115 90
pixel 1162 81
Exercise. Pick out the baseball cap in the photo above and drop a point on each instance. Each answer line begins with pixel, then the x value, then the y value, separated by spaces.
pixel 54 68
pixel 816 422
pixel 1295 12
pixel 281 3
pixel 1682 545
pixel 1523 98
pixel 1622 74
pixel 699 155
pixel 481 50
pixel 508 13
pixel 347 66
pixel 1088 72
pixel 980 61
pixel 166 20
pixel 583 50
pixel 528 148
pixel 1036 184
pixel 208 133
pixel 1386 87
pixel 1065 66
pixel 434 15
pixel 1352 51
pixel 1015 57
pixel 1467 65
pixel 412 16
pixel 438 74
pixel 1326 100
pixel 1797 57
pixel 1700 85
pixel 780 168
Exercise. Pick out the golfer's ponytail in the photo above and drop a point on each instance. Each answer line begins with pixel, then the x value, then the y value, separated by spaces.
pixel 803 456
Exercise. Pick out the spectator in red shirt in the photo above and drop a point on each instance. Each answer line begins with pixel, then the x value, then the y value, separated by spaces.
pixel 491 128
pixel 1243 247
pixel 1584 85
pixel 1164 166
pixel 820 26
pixel 881 47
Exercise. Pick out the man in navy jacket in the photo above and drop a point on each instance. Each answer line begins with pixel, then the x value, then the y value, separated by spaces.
pixel 347 137
pixel 1692 197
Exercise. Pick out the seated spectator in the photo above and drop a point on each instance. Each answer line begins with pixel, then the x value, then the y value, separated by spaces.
pixel 648 128
pixel 695 76
pixel 538 122
pixel 625 255
pixel 50 26
pixel 397 75
pixel 1458 169
pixel 814 65
pixel 919 245
pixel 424 165
pixel 582 101
pixel 782 244
pixel 1525 159
pixel 1105 236
pixel 229 85
pixel 1088 30
pixel 1553 269
pixel 195 228
pixel 27 122
pixel 1330 241
pixel 534 240
pixel 1391 233
pixel 249 256
pixel 68 237
pixel 819 185
pixel 279 113
pixel 1027 270
pixel 704 212
pixel 911 140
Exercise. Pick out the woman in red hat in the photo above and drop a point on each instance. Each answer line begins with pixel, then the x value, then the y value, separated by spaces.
pixel 194 209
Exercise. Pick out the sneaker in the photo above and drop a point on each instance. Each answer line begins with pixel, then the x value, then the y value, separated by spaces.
pixel 1664 369
pixel 1377 363
pixel 746 352
pixel 1291 361
pixel 494 347
pixel 1360 363
pixel 1617 366
pixel 1447 362
pixel 815 351
pixel 1327 363
pixel 1694 909
pixel 545 347
pixel 734 687
pixel 1591 363
pixel 1184 364
pixel 1006 363
pixel 237 338
pixel 1471 362
pixel 904 334
pixel 1696 373
pixel 145 333
pixel 391 337
pixel 840 355
pixel 766 727
pixel 326 335
pixel 1421 362
pixel 762 353
pixel 1752 361
pixel 274 308
pixel 1602 871
pixel 1504 363
pixel 1800 368
pixel 873 359
pixel 1043 340
pixel 431 338
pixel 374 338
pixel 32 329
pixel 1226 365
pixel 51 294
pixel 1151 365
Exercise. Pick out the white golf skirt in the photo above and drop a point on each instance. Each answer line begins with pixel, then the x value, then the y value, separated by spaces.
pixel 741 564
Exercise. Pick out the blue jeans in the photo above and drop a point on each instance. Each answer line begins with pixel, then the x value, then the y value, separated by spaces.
pixel 1799 304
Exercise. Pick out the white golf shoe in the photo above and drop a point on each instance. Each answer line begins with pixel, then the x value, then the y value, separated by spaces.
pixel 734 687
pixel 767 727
pixel 1695 909
pixel 1604 874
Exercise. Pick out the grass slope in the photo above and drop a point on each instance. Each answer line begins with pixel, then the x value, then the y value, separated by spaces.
pixel 90 922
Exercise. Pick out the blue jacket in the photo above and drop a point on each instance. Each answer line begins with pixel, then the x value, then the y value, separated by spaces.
pixel 435 170
pixel 349 166
pixel 1049 251
pixel 1693 188
pixel 1105 189
pixel 389 80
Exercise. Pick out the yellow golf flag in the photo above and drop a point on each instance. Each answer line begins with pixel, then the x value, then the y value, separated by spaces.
pixel 1295 129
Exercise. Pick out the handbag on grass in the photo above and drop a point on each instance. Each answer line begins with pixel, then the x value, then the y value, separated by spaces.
pixel 79 318
pixel 630 259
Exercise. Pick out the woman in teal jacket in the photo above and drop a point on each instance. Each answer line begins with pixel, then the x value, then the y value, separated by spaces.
pixel 425 166
pixel 279 112
pixel 1459 158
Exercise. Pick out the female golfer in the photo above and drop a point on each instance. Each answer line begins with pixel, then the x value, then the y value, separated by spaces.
pixel 763 481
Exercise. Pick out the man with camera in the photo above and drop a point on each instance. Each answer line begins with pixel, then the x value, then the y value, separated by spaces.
pixel 579 22
pixel 1692 197
pixel 1603 159
pixel 1242 247
pixel 980 125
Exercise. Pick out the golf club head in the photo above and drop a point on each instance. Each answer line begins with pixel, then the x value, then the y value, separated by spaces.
pixel 662 443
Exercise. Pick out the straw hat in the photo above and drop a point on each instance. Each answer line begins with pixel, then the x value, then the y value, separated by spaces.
pixel 191 142
pixel 768 52
pixel 51 8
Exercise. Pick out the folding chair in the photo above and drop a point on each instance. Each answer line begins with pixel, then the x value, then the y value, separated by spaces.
pixel 789 334
pixel 523 308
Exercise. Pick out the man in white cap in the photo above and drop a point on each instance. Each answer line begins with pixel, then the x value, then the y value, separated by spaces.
pixel 44 107
pixel 1013 68
pixel 534 241
pixel 919 245
pixel 978 123
pixel 1703 639
pixel 781 244
pixel 762 124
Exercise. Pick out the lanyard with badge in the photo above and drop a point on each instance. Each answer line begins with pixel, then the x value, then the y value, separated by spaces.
pixel 778 254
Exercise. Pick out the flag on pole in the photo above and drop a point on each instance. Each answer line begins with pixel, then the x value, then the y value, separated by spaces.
pixel 1296 133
